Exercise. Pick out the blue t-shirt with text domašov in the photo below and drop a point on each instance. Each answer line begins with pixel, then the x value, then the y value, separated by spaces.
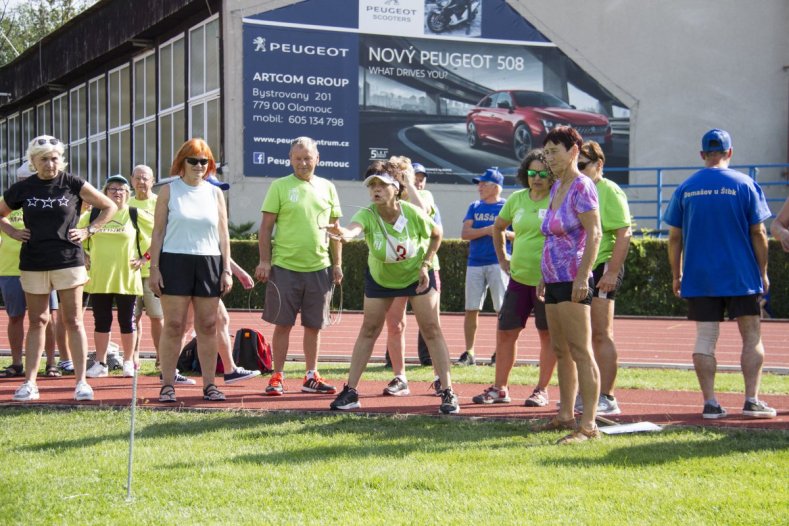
pixel 480 250
pixel 715 208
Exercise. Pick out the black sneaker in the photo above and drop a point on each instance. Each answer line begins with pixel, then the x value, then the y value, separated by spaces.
pixel 493 359
pixel 713 412
pixel 436 387
pixel 347 399
pixel 466 359
pixel 758 409
pixel 449 403
pixel 239 375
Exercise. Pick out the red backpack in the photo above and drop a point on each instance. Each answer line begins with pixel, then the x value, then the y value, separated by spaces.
pixel 252 351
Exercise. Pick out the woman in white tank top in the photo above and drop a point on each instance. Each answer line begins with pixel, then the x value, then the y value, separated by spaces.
pixel 190 262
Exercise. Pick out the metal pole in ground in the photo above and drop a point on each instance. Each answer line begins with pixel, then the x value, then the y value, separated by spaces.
pixel 131 433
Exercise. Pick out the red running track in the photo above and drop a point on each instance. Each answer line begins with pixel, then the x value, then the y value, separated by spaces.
pixel 658 342
pixel 640 341
pixel 659 407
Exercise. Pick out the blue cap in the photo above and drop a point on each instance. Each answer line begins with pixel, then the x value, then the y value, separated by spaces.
pixel 716 140
pixel 116 179
pixel 419 169
pixel 491 175
pixel 216 182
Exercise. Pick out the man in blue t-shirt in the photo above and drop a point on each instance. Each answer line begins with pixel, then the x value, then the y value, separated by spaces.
pixel 718 256
pixel 482 270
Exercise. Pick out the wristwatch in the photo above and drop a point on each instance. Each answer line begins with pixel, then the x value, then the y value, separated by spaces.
pixel 92 230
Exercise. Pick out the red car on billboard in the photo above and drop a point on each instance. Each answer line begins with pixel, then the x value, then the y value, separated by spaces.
pixel 519 120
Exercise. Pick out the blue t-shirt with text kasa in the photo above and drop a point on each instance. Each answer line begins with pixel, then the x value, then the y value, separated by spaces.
pixel 715 208
pixel 480 250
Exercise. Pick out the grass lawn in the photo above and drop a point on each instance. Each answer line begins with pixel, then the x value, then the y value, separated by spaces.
pixel 69 467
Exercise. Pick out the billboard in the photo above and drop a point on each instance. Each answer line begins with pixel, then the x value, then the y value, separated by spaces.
pixel 458 86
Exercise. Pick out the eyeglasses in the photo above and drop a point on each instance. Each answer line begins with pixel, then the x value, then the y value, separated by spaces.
pixel 542 174
pixel 116 190
pixel 53 141
pixel 583 164
pixel 195 162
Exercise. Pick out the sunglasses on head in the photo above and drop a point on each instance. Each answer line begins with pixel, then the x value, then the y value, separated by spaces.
pixel 583 164
pixel 542 174
pixel 194 162
pixel 42 142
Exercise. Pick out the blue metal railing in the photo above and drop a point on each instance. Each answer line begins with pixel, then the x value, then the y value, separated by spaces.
pixel 661 201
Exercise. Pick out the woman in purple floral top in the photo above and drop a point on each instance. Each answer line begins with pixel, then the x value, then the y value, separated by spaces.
pixel 572 237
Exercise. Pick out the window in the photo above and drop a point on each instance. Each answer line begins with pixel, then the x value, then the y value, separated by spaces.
pixel 28 127
pixel 97 129
pixel 120 120
pixel 172 94
pixel 145 109
pixel 145 86
pixel 4 182
pixel 205 119
pixel 78 118
pixel 13 148
pixel 204 58
pixel 43 123
pixel 60 117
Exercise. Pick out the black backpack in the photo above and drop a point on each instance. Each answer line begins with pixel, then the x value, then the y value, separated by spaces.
pixel 189 360
pixel 251 351
pixel 94 213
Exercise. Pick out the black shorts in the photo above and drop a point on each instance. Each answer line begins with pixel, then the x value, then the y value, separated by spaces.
pixel 563 291
pixel 519 302
pixel 598 273
pixel 373 290
pixel 190 275
pixel 711 308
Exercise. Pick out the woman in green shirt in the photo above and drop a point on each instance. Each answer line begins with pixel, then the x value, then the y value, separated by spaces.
pixel 524 211
pixel 402 242
pixel 116 254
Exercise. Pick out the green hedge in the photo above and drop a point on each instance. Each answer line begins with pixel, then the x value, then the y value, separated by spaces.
pixel 646 290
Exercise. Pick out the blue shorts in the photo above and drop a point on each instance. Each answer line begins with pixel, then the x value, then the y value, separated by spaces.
pixel 14 297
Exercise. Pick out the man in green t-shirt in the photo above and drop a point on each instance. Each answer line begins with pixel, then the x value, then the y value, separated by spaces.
pixel 296 261
pixel 144 200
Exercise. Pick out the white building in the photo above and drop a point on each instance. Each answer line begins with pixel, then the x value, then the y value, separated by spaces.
pixel 127 82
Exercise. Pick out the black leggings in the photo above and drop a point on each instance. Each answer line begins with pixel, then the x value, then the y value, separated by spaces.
pixel 102 311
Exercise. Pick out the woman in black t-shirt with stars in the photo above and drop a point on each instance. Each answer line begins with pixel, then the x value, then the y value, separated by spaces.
pixel 51 255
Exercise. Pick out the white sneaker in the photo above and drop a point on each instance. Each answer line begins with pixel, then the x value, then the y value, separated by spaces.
pixel 83 391
pixel 26 392
pixel 608 407
pixel 97 370
pixel 179 379
pixel 128 368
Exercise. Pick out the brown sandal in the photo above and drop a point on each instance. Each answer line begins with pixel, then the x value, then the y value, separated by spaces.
pixel 555 424
pixel 52 371
pixel 213 394
pixel 12 371
pixel 167 394
pixel 581 435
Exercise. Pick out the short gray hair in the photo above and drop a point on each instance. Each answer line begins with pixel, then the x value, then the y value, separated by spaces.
pixel 305 142
pixel 45 144
pixel 143 168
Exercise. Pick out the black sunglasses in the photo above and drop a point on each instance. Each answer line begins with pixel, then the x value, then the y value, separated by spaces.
pixel 42 142
pixel 195 162
pixel 542 174
pixel 583 164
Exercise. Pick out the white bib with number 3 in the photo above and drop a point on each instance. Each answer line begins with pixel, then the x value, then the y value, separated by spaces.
pixel 399 249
